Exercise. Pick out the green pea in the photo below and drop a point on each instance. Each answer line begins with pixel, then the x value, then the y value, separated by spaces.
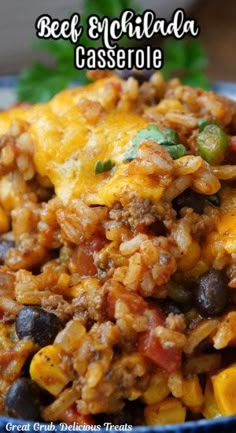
pixel 202 123
pixel 178 293
pixel 213 144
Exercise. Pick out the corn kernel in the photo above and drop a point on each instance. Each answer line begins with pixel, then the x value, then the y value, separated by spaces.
pixel 192 393
pixel 170 411
pixel 209 249
pixel 227 231
pixel 158 388
pixel 63 283
pixel 46 370
pixel 210 408
pixel 224 385
pixel 190 259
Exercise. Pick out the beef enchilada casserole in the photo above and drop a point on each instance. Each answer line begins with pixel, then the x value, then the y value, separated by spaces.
pixel 118 255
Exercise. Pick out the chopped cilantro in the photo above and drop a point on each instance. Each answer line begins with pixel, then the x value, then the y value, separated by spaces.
pixel 102 166
pixel 170 135
pixel 175 150
pixel 168 138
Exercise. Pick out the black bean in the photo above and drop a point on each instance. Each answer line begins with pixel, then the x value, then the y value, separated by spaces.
pixel 122 417
pixel 212 293
pixel 228 356
pixel 141 76
pixel 158 228
pixel 131 414
pixel 5 245
pixel 191 199
pixel 22 400
pixel 169 307
pixel 38 325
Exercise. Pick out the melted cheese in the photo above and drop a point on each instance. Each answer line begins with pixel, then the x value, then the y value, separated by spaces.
pixel 68 146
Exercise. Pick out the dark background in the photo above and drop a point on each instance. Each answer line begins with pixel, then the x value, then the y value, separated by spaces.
pixel 217 19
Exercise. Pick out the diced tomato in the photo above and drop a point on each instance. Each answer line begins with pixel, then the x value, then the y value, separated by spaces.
pixel 140 228
pixel 135 303
pixel 71 416
pixel 148 343
pixel 150 346
pixel 97 244
pixel 82 262
pixel 169 359
pixel 156 317
pixel 232 144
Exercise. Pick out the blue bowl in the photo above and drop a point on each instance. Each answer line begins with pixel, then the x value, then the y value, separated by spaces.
pixel 218 425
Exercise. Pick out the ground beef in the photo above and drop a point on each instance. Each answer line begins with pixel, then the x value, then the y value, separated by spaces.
pixel 136 213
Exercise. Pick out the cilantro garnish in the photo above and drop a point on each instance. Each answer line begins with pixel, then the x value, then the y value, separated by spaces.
pixel 102 166
pixel 167 137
